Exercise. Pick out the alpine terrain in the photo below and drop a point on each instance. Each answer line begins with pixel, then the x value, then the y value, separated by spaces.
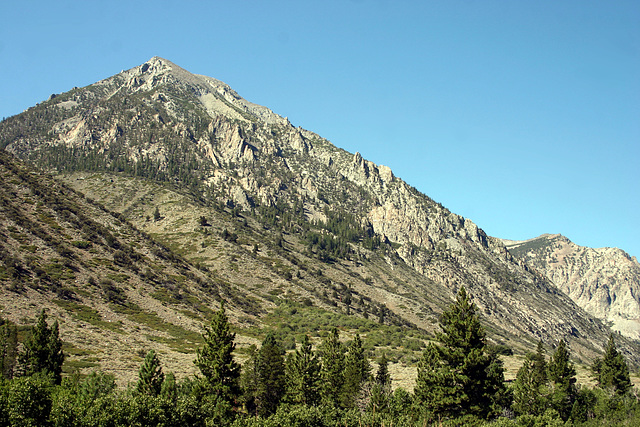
pixel 172 192
pixel 605 282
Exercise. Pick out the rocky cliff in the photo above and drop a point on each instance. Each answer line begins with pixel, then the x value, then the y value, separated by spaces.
pixel 605 281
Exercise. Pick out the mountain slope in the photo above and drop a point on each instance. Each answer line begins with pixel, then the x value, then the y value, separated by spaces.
pixel 352 220
pixel 605 282
pixel 115 291
pixel 118 293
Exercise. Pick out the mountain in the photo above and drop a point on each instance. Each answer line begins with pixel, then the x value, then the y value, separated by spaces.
pixel 283 216
pixel 605 282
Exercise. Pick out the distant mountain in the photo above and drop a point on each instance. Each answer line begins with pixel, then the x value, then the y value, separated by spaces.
pixel 293 218
pixel 605 282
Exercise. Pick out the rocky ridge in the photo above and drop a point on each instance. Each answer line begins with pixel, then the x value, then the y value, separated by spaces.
pixel 604 281
pixel 161 122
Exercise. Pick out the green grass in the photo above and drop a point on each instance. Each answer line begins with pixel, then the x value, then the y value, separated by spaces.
pixel 87 314
pixel 182 340
pixel 73 366
pixel 118 278
pixel 399 344
pixel 77 358
pixel 164 296
pixel 58 271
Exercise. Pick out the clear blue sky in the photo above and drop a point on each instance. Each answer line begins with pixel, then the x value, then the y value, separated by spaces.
pixel 523 116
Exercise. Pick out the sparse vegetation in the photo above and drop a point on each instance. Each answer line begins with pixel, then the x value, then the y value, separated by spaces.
pixel 323 250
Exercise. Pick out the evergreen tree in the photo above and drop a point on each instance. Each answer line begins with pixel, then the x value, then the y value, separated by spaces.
pixel 271 380
pixel 500 395
pixel 383 377
pixel 95 386
pixel 529 389
pixel 356 371
pixel 150 375
pixel 303 375
pixel 562 375
pixel 169 389
pixel 215 361
pixel 8 348
pixel 43 350
pixel 583 408
pixel 611 372
pixel 332 371
pixel 381 389
pixel 458 377
pixel 249 380
pixel 539 367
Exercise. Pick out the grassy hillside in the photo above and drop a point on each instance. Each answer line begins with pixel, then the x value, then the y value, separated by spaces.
pixel 118 292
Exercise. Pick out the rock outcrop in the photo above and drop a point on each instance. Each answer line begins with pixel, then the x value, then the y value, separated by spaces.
pixel 605 281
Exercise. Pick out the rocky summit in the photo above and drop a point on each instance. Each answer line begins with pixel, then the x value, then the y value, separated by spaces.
pixel 280 215
pixel 605 281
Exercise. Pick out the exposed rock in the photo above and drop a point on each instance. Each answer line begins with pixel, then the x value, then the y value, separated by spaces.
pixel 605 282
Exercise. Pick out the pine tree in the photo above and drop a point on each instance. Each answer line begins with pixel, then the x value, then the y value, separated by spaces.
pixel 8 348
pixel 303 375
pixel 271 380
pixel 169 389
pixel 458 377
pixel 499 395
pixel 216 363
pixel 332 371
pixel 249 380
pixel 530 388
pixel 43 350
pixel 383 377
pixel 611 372
pixel 150 375
pixel 356 371
pixel 381 389
pixel 562 375
pixel 539 366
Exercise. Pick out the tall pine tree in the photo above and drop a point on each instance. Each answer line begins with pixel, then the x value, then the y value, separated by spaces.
pixel 458 377
pixel 332 372
pixel 270 376
pixel 303 375
pixel 562 376
pixel 219 384
pixel 8 348
pixel 43 350
pixel 381 389
pixel 356 371
pixel 530 388
pixel 611 372
pixel 150 375
pixel 383 377
pixel 249 380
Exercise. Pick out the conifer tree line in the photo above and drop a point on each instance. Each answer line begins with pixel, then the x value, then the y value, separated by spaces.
pixel 460 382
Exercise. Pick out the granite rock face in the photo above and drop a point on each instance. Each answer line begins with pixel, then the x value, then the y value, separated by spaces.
pixel 605 281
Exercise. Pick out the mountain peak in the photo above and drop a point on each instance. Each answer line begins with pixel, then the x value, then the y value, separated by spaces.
pixel 217 97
